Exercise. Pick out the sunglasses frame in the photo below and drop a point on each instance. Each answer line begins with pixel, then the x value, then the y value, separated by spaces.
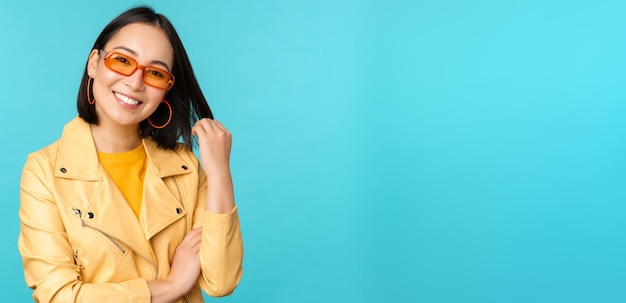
pixel 107 55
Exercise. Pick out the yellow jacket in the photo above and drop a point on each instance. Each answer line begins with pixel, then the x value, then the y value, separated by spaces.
pixel 81 242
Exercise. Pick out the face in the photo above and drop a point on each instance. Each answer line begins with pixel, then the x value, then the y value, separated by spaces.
pixel 126 100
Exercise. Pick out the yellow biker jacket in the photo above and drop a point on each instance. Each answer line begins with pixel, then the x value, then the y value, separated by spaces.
pixel 81 242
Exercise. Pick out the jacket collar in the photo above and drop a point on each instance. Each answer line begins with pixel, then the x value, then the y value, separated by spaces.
pixel 77 157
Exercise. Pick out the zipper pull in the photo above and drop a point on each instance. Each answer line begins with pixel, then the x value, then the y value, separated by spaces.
pixel 77 260
pixel 80 216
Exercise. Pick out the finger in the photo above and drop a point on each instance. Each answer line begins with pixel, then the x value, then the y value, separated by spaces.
pixel 194 130
pixel 218 124
pixel 192 236
pixel 196 232
pixel 196 247
pixel 198 129
pixel 206 123
pixel 204 130
pixel 221 127
pixel 196 238
pixel 194 244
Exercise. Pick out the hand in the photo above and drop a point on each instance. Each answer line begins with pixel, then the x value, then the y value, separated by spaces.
pixel 215 142
pixel 186 263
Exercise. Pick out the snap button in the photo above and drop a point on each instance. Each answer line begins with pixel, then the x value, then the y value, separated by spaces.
pixel 90 215
pixel 63 170
pixel 184 167
pixel 179 211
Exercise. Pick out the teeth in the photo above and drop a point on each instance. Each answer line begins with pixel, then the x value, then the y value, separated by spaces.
pixel 126 99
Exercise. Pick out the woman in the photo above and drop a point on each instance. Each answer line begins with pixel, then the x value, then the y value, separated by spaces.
pixel 118 210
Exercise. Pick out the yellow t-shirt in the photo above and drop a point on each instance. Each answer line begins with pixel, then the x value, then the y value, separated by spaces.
pixel 127 170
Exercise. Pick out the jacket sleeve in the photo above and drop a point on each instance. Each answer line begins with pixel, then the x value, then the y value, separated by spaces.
pixel 47 256
pixel 221 248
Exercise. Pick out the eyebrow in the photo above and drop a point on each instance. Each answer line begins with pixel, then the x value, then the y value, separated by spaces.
pixel 134 53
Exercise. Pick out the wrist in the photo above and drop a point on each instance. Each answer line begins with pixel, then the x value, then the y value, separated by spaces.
pixel 173 287
pixel 163 291
pixel 218 173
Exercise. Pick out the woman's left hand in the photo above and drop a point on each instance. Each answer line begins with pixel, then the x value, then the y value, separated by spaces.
pixel 215 142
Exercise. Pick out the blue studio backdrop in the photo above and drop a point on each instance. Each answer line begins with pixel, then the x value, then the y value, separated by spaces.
pixel 383 151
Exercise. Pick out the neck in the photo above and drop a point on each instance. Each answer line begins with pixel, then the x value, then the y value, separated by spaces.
pixel 115 138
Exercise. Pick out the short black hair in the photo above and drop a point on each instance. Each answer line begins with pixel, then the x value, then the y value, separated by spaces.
pixel 186 98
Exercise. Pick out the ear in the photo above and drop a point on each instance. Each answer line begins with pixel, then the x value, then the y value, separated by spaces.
pixel 92 63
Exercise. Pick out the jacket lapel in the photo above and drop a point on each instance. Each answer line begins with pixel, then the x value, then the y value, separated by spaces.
pixel 111 214
pixel 162 204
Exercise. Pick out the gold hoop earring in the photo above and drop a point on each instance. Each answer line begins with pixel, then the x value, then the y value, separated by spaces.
pixel 88 95
pixel 168 119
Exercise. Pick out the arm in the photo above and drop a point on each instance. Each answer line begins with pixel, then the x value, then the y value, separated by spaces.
pixel 221 250
pixel 47 255
pixel 184 272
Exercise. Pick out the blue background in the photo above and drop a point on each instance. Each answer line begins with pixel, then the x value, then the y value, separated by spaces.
pixel 384 151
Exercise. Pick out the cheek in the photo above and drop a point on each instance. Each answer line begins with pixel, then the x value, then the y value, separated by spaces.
pixel 154 100
pixel 99 88
pixel 156 96
pixel 103 82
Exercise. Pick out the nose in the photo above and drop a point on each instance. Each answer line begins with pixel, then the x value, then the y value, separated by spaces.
pixel 135 80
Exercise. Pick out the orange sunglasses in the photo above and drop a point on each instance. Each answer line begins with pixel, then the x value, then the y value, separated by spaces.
pixel 127 65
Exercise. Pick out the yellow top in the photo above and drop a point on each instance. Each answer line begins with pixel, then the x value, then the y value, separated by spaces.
pixel 127 170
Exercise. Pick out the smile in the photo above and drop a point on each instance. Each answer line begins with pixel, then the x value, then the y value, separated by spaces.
pixel 126 99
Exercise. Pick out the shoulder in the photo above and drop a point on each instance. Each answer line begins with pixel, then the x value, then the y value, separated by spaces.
pixel 170 160
pixel 75 130
pixel 187 155
pixel 184 151
pixel 39 166
pixel 46 156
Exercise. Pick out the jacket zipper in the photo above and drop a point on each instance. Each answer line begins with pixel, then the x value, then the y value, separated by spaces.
pixel 111 238
pixel 115 241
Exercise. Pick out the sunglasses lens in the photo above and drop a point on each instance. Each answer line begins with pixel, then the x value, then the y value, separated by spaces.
pixel 157 77
pixel 122 64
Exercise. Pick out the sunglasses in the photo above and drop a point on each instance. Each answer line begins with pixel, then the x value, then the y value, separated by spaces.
pixel 126 65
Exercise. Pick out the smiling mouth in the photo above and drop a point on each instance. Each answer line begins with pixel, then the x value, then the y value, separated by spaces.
pixel 126 99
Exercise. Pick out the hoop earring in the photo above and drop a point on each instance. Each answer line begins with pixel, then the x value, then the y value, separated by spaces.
pixel 88 95
pixel 168 119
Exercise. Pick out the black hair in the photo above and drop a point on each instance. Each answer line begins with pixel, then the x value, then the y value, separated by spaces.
pixel 185 97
